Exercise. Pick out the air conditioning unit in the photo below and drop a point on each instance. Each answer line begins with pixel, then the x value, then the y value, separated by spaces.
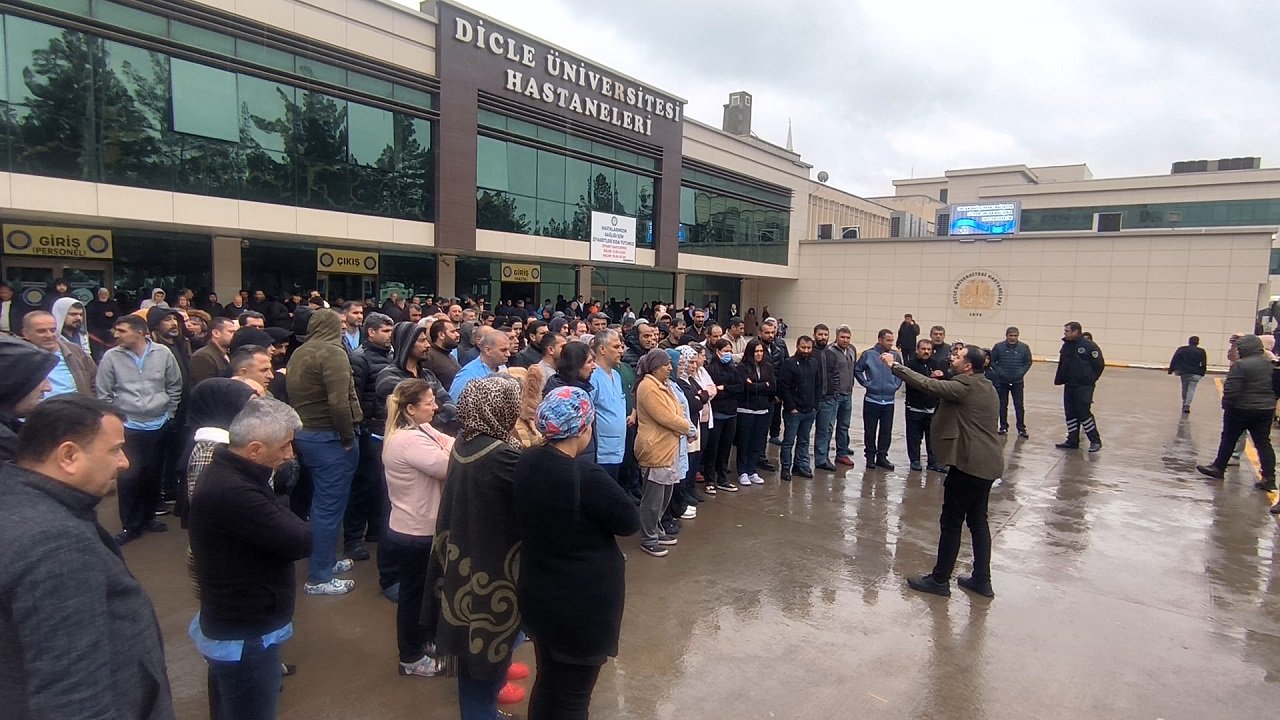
pixel 895 226
pixel 825 231
pixel 1108 221
pixel 942 227
pixel 849 232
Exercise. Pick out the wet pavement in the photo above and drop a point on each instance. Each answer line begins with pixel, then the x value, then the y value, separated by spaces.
pixel 1127 586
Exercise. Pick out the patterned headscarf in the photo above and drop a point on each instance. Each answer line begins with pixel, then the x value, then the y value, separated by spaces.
pixel 565 412
pixel 683 367
pixel 490 406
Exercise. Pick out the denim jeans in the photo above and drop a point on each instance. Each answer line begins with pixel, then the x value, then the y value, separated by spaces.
pixel 1189 383
pixel 1004 390
pixel 844 413
pixel 795 437
pixel 478 697
pixel 331 471
pixel 753 434
pixel 368 506
pixel 248 689
pixel 877 430
pixel 833 414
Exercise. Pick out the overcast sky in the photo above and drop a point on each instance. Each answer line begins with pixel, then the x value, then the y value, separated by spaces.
pixel 879 90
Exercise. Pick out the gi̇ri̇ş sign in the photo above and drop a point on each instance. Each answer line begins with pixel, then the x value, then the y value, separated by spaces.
pixel 613 238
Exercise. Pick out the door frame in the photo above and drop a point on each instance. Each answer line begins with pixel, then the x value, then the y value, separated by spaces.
pixel 59 266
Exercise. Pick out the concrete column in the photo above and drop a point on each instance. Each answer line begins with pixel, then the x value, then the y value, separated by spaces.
pixel 446 275
pixel 679 299
pixel 228 275
pixel 584 282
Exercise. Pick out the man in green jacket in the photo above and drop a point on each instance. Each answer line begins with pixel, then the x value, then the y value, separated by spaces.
pixel 323 393
pixel 964 437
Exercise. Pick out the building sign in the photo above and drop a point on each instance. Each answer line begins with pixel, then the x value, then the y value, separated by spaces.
pixel 977 294
pixel 516 273
pixel 994 218
pixel 57 242
pixel 613 238
pixel 348 262
pixel 549 77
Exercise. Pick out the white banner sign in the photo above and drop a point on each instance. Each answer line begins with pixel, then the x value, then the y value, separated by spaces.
pixel 613 238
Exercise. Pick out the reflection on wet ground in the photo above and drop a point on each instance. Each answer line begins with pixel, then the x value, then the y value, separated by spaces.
pixel 1128 587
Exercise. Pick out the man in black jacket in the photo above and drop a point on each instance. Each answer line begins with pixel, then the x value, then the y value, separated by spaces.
pixel 921 407
pixel 775 351
pixel 1248 404
pixel 1190 363
pixel 800 385
pixel 22 386
pixel 1080 364
pixel 245 543
pixel 363 520
pixel 80 637
pixel 531 354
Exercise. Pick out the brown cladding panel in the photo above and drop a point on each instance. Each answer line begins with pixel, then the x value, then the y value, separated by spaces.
pixel 476 54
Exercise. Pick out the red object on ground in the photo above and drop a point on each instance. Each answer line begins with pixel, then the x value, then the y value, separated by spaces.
pixel 510 694
pixel 517 671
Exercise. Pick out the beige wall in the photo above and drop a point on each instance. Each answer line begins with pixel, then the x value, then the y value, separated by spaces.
pixel 1141 293
pixel 842 209
pixel 381 29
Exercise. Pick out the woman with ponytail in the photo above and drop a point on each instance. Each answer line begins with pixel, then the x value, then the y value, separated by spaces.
pixel 415 457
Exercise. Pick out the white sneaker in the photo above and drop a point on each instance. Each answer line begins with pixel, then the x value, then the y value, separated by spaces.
pixel 690 513
pixel 333 587
pixel 426 667
pixel 756 479
pixel 343 565
pixel 744 480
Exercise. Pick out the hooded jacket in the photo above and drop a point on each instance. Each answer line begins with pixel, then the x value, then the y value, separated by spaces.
pixel 75 353
pixel 25 367
pixel 180 349
pixel 319 380
pixel 403 337
pixel 367 361
pixel 1248 383
pixel 466 350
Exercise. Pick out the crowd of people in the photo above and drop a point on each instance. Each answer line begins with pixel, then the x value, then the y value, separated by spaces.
pixel 494 457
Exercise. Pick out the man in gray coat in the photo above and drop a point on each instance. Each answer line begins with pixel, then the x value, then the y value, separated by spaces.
pixel 1248 404
pixel 80 636
pixel 964 437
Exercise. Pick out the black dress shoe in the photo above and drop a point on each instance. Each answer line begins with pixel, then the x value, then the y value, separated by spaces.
pixel 826 466
pixel 982 588
pixel 124 537
pixel 1068 445
pixel 786 476
pixel 927 584
pixel 1095 446
pixel 766 465
pixel 1003 431
pixel 1023 434
pixel 938 469
pixel 156 526
pixel 1275 509
pixel 357 551
pixel 1266 484
pixel 1212 471
pixel 884 464
pixel 802 473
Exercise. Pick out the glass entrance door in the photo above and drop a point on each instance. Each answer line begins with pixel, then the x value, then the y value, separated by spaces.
pixel 336 286
pixel 31 279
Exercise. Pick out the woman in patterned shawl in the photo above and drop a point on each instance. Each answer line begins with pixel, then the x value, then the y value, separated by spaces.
pixel 470 612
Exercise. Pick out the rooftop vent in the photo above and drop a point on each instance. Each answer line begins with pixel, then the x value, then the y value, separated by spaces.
pixel 1198 166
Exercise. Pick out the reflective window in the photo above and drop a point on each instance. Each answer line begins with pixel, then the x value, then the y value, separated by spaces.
pixel 204 101
pixel 714 223
pixel 99 110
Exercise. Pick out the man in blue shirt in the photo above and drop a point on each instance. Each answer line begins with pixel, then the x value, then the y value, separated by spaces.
pixel 610 401
pixel 142 380
pixel 352 324
pixel 495 347
pixel 877 407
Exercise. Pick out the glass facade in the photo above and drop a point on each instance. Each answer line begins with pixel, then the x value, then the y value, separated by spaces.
pixel 723 291
pixel 145 260
pixel 1158 215
pixel 83 107
pixel 724 217
pixel 537 181
pixel 481 277
pixel 642 286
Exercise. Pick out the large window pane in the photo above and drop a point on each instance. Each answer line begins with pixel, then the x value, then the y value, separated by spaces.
pixel 522 169
pixel 550 176
pixel 322 129
pixel 491 164
pixel 204 101
pixel 625 188
pixel 577 182
pixel 415 168
pixel 602 183
pixel 268 113
pixel 372 138
pixel 129 17
pixel 133 91
pixel 208 167
pixel 269 177
pixel 50 79
pixel 551 220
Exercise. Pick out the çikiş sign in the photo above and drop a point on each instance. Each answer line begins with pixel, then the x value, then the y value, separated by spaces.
pixel 613 238
pixel 57 242
pixel 349 262
pixel 568 83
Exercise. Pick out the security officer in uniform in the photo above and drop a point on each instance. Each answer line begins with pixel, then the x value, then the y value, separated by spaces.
pixel 1080 364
